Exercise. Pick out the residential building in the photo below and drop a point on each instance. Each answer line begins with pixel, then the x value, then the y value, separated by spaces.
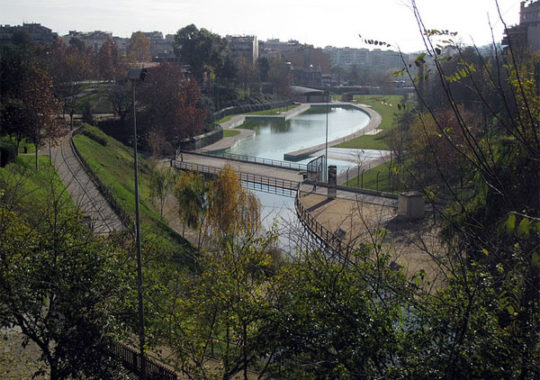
pixel 275 48
pixel 372 59
pixel 161 48
pixel 525 35
pixel 38 33
pixel 244 46
pixel 92 40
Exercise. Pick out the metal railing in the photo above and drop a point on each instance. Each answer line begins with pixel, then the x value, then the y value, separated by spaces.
pixel 131 360
pixel 256 160
pixel 328 237
pixel 124 217
pixel 270 189
pixel 246 177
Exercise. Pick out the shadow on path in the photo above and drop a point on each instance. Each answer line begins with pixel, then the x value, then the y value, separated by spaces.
pixel 320 204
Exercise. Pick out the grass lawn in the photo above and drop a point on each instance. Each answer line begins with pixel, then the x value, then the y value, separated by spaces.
pixel 30 147
pixel 225 119
pixel 273 111
pixel 34 187
pixel 384 172
pixel 230 133
pixel 113 164
pixel 386 106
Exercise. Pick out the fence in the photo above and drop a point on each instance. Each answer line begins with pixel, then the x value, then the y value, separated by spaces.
pixel 316 168
pixel 270 189
pixel 329 238
pixel 390 182
pixel 256 160
pixel 103 189
pixel 246 177
pixel 131 360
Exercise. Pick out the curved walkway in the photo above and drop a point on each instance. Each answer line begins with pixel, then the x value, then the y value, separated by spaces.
pixel 83 191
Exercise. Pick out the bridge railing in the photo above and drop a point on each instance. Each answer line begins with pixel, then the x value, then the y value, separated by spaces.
pixel 286 192
pixel 247 177
pixel 256 160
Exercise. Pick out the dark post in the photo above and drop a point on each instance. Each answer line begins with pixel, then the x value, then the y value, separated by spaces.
pixel 135 75
pixel 326 144
pixel 71 120
pixel 332 181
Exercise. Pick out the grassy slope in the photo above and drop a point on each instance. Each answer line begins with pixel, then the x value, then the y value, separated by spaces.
pixel 375 141
pixel 230 133
pixel 386 110
pixel 34 187
pixel 113 164
pixel 370 179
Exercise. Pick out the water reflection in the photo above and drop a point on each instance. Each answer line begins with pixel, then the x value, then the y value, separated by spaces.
pixel 279 210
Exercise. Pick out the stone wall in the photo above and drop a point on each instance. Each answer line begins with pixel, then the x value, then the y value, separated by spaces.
pixel 200 141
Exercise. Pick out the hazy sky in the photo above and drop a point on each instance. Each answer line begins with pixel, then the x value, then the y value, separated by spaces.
pixel 317 22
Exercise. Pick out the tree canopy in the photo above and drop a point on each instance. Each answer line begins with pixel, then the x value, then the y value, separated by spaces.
pixel 201 49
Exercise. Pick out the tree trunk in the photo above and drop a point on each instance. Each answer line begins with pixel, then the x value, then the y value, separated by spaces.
pixel 37 157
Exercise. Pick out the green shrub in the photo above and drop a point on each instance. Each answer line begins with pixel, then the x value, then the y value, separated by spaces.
pixel 100 140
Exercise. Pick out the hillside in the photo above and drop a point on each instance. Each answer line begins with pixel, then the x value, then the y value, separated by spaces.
pixel 112 163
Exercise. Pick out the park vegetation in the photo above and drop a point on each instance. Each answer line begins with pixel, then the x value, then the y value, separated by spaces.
pixel 236 305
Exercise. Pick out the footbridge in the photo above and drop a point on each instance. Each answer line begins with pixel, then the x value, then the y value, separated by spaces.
pixel 274 176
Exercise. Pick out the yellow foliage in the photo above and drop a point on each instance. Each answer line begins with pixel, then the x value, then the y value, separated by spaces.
pixel 232 210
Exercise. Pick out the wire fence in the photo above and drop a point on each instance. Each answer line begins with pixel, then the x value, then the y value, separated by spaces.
pixel 124 217
pixel 384 181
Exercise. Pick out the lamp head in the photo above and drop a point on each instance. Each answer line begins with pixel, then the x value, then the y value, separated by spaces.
pixel 137 74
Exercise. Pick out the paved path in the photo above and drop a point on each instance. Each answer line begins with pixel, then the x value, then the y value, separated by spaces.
pixel 359 216
pixel 83 190
pixel 228 142
pixel 350 196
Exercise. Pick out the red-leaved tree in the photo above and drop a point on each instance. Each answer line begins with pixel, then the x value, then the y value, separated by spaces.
pixel 171 105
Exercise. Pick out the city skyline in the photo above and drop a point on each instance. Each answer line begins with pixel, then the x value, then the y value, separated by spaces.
pixel 318 24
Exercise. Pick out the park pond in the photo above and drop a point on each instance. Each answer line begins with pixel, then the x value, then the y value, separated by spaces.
pixel 274 138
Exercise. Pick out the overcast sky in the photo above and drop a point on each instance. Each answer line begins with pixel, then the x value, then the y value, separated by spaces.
pixel 317 22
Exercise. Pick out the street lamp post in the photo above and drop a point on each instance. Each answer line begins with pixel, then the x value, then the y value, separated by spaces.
pixel 134 76
pixel 326 144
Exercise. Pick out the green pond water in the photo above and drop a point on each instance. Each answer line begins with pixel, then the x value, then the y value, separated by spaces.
pixel 274 138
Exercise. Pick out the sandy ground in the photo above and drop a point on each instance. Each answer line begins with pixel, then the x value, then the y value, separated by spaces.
pixel 17 362
pixel 408 241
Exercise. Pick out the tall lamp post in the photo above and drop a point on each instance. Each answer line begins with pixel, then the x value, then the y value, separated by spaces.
pixel 138 75
pixel 326 144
